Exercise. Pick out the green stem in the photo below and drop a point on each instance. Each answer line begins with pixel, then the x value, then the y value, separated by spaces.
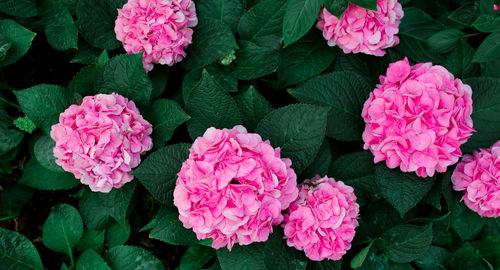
pixel 7 218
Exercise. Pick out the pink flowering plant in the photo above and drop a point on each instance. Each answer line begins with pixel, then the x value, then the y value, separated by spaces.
pixel 249 134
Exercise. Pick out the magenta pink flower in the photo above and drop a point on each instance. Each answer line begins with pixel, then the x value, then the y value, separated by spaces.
pixel 323 219
pixel 417 118
pixel 233 187
pixel 101 140
pixel 495 7
pixel 479 176
pixel 159 28
pixel 362 30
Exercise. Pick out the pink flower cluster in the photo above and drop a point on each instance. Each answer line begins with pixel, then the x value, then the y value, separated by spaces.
pixel 417 118
pixel 159 28
pixel 495 7
pixel 101 140
pixel 323 219
pixel 479 175
pixel 361 30
pixel 233 187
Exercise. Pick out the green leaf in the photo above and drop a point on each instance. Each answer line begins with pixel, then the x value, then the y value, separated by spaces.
pixel 418 24
pixel 487 23
pixel 117 202
pixel 224 77
pixel 300 16
pixel 86 53
pixel 466 14
pixel 336 7
pixel 169 229
pixel 24 124
pixel 166 116
pixel 324 265
pixel 159 80
pixel 352 165
pixel 44 154
pixel 91 239
pixel 9 138
pixel 358 260
pixel 60 28
pixel 43 103
pixel 486 113
pixel 117 234
pixel 62 229
pixel 468 257
pixel 253 61
pixel 253 107
pixel 85 80
pixel 196 257
pixel 406 243
pixel 435 258
pixel 210 106
pixel 490 249
pixel 96 21
pixel 17 252
pixel 158 172
pixel 20 39
pixel 368 4
pixel 417 50
pixel 320 164
pixel 226 11
pixel 36 176
pixel 305 59
pixel 263 23
pixel 489 49
pixel 444 41
pixel 19 8
pixel 365 188
pixel 95 216
pixel 212 40
pixel 132 258
pixel 402 190
pixel 298 130
pixel 90 260
pixel 13 197
pixel 279 256
pixel 125 75
pixel 250 257
pixel 5 45
pixel 379 217
pixel 459 62
pixel 344 93
pixel 466 222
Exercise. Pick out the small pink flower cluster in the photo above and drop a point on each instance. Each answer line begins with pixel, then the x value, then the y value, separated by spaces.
pixel 233 187
pixel 417 118
pixel 159 28
pixel 495 7
pixel 361 30
pixel 479 175
pixel 101 140
pixel 323 219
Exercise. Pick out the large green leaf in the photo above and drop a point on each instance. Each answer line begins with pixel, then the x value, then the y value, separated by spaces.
pixel 17 252
pixel 158 172
pixel 62 229
pixel 298 130
pixel 418 24
pixel 353 165
pixel 304 59
pixel 418 51
pixel 263 23
pixel 94 215
pixel 19 8
pixel 368 4
pixel 435 258
pixel 210 106
pixel 20 38
pixel 486 113
pixel 43 104
pixel 468 257
pixel 489 49
pixel 117 234
pixel 402 190
pixel 9 138
pixel 60 28
pixel 344 93
pixel 444 41
pixel 300 16
pixel 196 257
pixel 91 239
pixel 227 11
pixel 36 176
pixel 96 21
pixel 168 228
pixel 90 260
pixel 212 40
pixel 117 202
pixel 44 154
pixel 279 256
pixel 132 258
pixel 250 257
pixel 336 7
pixel 253 107
pixel 166 116
pixel 406 243
pixel 466 222
pixel 125 75
pixel 459 62
pixel 85 80
pixel 253 61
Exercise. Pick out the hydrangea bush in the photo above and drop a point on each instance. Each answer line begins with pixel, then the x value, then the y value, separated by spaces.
pixel 249 134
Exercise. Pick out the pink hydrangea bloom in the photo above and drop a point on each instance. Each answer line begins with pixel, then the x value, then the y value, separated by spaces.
pixel 159 28
pixel 417 118
pixel 361 30
pixel 233 187
pixel 495 7
pixel 479 176
pixel 101 140
pixel 323 219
